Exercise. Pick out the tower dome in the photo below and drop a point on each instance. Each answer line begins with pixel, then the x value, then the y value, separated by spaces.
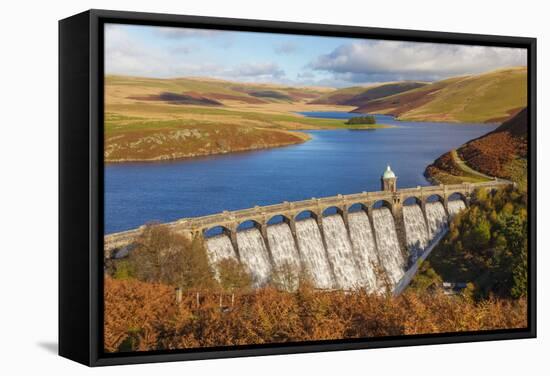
pixel 388 174
pixel 388 180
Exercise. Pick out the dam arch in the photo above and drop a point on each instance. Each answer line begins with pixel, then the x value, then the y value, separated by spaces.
pixel 332 210
pixel 412 200
pixel 435 197
pixel 453 196
pixel 305 214
pixel 248 224
pixel 278 218
pixel 357 207
pixel 378 204
pixel 215 231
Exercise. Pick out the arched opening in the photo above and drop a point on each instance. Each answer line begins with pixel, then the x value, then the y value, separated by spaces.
pixel 305 215
pixel 215 231
pixel 248 224
pixel 382 204
pixel 435 198
pixel 457 196
pixel 332 210
pixel 357 207
pixel 279 218
pixel 412 200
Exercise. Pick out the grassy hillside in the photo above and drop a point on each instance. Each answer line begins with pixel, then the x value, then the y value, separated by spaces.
pixel 359 96
pixel 152 89
pixel 149 119
pixel 489 97
pixel 501 153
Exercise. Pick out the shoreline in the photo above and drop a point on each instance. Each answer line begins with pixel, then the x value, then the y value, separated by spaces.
pixel 302 134
pixel 304 138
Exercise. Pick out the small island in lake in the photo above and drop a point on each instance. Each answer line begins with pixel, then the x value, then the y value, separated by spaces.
pixel 367 122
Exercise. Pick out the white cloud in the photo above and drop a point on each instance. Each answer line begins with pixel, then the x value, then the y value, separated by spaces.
pixel 126 54
pixel 265 70
pixel 368 61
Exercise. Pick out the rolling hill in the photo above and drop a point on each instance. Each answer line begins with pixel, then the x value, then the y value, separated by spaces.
pixel 359 96
pixel 205 91
pixel 151 119
pixel 489 97
pixel 501 153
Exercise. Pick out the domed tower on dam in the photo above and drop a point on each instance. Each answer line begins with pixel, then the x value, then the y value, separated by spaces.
pixel 389 180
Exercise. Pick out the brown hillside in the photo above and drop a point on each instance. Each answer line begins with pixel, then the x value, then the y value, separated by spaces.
pixel 492 153
pixel 358 96
pixel 402 103
pixel 501 153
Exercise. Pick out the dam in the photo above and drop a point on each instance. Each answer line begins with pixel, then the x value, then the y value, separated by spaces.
pixel 367 240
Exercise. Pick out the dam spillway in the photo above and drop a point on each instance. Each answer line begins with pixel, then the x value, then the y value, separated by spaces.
pixel 362 252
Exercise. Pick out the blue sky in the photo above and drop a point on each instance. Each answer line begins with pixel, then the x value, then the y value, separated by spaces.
pixel 164 52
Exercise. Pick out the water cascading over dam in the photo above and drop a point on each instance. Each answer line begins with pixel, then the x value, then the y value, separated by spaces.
pixel 454 207
pixel 362 253
pixel 364 249
pixel 415 228
pixel 253 254
pixel 313 254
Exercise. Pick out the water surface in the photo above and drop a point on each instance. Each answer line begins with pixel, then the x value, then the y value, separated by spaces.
pixel 332 162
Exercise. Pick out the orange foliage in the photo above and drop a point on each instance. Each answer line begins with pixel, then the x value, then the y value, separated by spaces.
pixel 144 316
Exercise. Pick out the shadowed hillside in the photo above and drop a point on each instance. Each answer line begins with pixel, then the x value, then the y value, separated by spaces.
pixel 489 97
pixel 360 96
pixel 501 153
pixel 203 91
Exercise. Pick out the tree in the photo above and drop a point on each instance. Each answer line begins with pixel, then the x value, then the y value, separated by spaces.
pixel 163 256
pixel 286 277
pixel 368 119
pixel 233 275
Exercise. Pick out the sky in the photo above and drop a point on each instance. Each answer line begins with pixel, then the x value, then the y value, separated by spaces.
pixel 167 52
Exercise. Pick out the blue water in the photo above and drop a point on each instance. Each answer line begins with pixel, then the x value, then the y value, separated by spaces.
pixel 334 161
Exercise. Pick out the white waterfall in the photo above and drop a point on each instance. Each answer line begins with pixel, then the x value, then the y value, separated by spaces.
pixel 218 248
pixel 455 207
pixel 389 253
pixel 254 255
pixel 340 253
pixel 358 258
pixel 437 218
pixel 284 253
pixel 312 252
pixel 364 249
pixel 416 232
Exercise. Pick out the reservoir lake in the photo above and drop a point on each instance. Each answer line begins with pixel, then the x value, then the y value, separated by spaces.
pixel 332 162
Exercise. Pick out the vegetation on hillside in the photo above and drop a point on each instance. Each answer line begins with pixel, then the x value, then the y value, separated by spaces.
pixel 501 153
pixel 486 247
pixel 488 97
pixel 142 316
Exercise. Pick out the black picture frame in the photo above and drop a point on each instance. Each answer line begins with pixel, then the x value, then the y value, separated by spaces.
pixel 81 185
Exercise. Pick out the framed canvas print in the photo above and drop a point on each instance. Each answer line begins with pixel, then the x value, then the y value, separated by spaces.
pixel 236 187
